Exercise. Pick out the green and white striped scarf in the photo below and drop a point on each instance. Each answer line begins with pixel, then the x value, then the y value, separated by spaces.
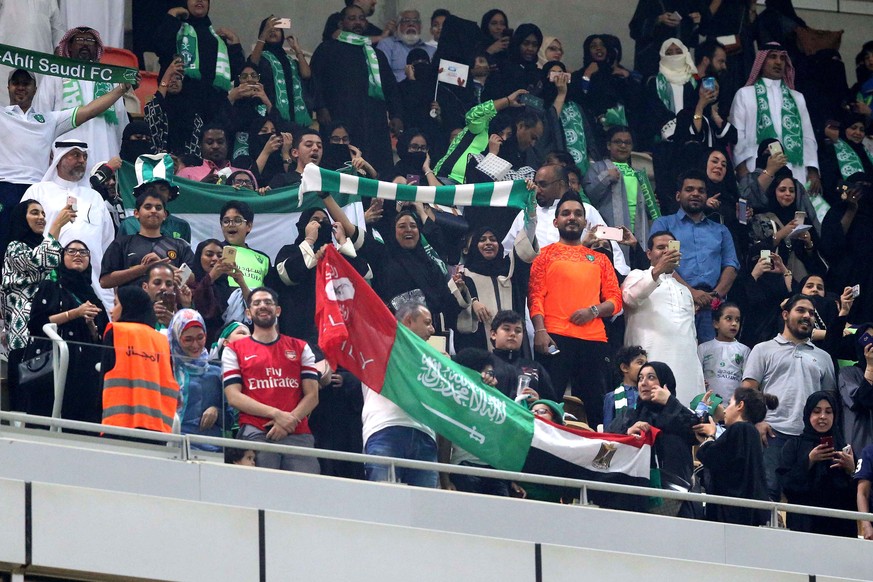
pixel 792 129
pixel 495 194
pixel 282 103
pixel 374 80
pixel 187 46
pixel 72 98
pixel 848 159
pixel 574 135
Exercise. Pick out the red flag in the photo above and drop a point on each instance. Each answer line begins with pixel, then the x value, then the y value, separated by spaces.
pixel 356 330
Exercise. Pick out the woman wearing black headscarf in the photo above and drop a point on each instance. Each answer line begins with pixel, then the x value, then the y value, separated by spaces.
pixel 565 122
pixel 658 407
pixel 488 276
pixel 71 303
pixel 29 260
pixel 211 290
pixel 284 79
pixel 846 232
pixel 295 265
pixel 495 35
pixel 771 230
pixel 816 470
pixel 520 70
pixel 212 57
pixel 844 157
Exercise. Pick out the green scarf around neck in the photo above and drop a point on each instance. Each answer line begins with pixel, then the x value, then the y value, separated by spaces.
pixel 574 135
pixel 282 102
pixel 72 98
pixel 848 159
pixel 792 128
pixel 188 46
pixel 374 80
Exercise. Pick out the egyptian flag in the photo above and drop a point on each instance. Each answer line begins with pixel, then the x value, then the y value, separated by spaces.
pixel 357 332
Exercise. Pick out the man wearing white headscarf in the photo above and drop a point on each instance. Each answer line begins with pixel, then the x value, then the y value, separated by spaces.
pixel 103 134
pixel 93 226
pixel 769 107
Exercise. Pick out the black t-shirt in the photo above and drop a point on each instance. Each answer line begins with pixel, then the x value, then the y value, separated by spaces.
pixel 129 250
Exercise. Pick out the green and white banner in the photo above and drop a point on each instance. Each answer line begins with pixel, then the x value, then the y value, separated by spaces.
pixel 55 66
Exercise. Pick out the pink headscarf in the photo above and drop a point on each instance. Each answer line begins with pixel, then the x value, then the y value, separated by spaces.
pixel 63 48
pixel 771 47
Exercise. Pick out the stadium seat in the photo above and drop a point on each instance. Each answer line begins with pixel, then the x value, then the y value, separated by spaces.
pixel 119 56
pixel 148 85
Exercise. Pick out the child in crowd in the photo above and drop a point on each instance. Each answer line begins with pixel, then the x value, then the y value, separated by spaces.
pixel 629 359
pixel 245 457
pixel 724 358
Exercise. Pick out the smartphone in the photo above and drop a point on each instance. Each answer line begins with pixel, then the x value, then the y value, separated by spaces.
pixel 555 75
pixel 186 273
pixel 283 23
pixel 709 83
pixel 865 340
pixel 553 350
pixel 438 342
pixel 800 216
pixel 71 202
pixel 228 255
pixel 775 148
pixel 856 291
pixel 609 233
pixel 673 245
pixel 743 211
pixel 168 298
pixel 413 179
pixel 676 15
pixel 827 441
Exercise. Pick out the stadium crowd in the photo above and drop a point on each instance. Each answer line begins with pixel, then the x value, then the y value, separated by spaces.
pixel 695 258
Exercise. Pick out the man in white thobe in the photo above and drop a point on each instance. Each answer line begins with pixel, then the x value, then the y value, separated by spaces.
pixel 103 134
pixel 93 226
pixel 774 73
pixel 659 312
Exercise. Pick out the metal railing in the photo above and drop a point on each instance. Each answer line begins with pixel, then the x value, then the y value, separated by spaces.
pixel 188 453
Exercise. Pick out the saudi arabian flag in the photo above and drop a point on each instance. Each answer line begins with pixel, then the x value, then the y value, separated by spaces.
pixel 357 332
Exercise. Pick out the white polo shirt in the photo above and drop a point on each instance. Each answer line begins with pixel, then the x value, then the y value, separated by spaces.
pixel 26 141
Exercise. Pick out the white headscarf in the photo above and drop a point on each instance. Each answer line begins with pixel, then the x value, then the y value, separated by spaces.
pixel 677 69
pixel 59 149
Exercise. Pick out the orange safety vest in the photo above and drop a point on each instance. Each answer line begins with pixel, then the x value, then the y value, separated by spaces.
pixel 140 391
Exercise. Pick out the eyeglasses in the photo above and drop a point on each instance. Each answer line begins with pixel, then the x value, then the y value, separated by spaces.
pixel 241 183
pixel 335 139
pixel 489 373
pixel 77 252
pixel 542 412
pixel 253 76
pixel 266 302
pixel 622 142
pixel 239 220
pixel 84 40
pixel 410 21
pixel 414 147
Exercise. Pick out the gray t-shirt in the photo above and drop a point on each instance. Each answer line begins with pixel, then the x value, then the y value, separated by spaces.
pixel 792 372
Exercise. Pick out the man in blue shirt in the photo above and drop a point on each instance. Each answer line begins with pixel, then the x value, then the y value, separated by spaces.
pixel 709 261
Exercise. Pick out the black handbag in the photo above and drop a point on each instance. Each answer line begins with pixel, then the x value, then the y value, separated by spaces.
pixel 35 372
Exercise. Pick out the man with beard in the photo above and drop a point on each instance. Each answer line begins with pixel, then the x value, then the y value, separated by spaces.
pixel 407 37
pixel 355 83
pixel 213 150
pixel 93 226
pixel 769 107
pixel 709 260
pixel 24 159
pixel 572 289
pixel 792 368
pixel 272 380
pixel 55 94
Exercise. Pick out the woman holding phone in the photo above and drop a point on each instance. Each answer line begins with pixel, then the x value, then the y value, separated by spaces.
pixel 816 468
